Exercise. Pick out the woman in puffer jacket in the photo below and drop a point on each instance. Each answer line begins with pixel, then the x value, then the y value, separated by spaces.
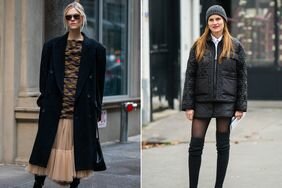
pixel 215 87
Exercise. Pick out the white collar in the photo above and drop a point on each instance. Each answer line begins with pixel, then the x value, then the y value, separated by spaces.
pixel 216 40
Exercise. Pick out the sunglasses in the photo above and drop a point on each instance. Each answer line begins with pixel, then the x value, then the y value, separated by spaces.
pixel 74 16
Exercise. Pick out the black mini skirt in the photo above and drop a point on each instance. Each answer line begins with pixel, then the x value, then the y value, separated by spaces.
pixel 214 109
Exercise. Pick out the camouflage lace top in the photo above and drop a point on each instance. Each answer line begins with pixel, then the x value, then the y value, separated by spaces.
pixel 72 63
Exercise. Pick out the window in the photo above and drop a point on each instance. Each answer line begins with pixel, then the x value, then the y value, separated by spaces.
pixel 110 18
pixel 279 13
pixel 253 24
pixel 92 12
pixel 115 38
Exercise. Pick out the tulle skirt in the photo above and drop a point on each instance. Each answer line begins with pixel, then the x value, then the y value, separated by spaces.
pixel 61 166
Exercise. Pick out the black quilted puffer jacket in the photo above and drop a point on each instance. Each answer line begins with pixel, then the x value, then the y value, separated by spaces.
pixel 210 81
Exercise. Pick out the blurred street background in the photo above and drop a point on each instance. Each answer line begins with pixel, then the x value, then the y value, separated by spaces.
pixel 255 157
pixel 169 29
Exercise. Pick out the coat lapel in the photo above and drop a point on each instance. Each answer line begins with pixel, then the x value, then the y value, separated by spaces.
pixel 59 61
pixel 84 67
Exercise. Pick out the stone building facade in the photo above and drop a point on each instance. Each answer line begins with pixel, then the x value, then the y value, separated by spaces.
pixel 25 26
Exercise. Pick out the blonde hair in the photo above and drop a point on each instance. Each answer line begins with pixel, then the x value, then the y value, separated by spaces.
pixel 200 44
pixel 79 8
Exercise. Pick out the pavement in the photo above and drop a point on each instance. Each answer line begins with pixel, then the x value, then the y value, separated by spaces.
pixel 123 169
pixel 255 156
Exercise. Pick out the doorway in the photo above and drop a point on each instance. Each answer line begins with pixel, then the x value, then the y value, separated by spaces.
pixel 164 54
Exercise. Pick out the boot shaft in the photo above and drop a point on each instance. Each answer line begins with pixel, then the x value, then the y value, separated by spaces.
pixel 75 183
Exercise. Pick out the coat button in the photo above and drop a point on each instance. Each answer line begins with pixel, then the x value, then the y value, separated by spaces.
pixel 43 110
pixel 51 71
pixel 90 76
pixel 88 95
pixel 76 117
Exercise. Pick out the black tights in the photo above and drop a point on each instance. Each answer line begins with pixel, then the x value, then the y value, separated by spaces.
pixel 199 129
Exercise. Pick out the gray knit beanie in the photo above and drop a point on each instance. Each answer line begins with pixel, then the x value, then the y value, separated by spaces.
pixel 216 9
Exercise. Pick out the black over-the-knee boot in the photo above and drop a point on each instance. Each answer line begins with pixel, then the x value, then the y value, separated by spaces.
pixel 39 181
pixel 223 147
pixel 75 183
pixel 195 157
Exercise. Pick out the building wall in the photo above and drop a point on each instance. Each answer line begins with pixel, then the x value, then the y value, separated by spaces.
pixel 1 73
pixel 21 39
pixel 145 59
pixel 10 73
pixel 189 31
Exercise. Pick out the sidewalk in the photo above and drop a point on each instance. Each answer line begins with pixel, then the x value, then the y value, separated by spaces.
pixel 255 157
pixel 123 163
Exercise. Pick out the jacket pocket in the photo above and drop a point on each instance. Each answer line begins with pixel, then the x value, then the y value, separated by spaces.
pixel 229 85
pixel 201 87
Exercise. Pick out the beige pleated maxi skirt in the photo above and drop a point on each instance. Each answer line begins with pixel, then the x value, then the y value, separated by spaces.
pixel 61 166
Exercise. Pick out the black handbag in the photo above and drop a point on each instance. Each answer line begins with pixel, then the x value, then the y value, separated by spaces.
pixel 99 164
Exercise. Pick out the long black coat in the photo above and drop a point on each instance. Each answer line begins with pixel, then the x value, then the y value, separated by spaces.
pixel 88 100
pixel 210 81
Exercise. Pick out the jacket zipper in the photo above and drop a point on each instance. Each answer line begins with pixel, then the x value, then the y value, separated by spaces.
pixel 214 72
pixel 214 79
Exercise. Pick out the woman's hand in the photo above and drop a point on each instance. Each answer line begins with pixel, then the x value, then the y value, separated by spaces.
pixel 238 114
pixel 189 114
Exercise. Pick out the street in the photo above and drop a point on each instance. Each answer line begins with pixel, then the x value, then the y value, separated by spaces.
pixel 123 170
pixel 255 156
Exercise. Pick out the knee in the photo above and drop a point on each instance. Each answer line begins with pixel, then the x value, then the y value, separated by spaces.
pixel 222 142
pixel 196 146
pixel 223 148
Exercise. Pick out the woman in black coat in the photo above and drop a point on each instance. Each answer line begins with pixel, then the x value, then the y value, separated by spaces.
pixel 72 75
pixel 215 87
